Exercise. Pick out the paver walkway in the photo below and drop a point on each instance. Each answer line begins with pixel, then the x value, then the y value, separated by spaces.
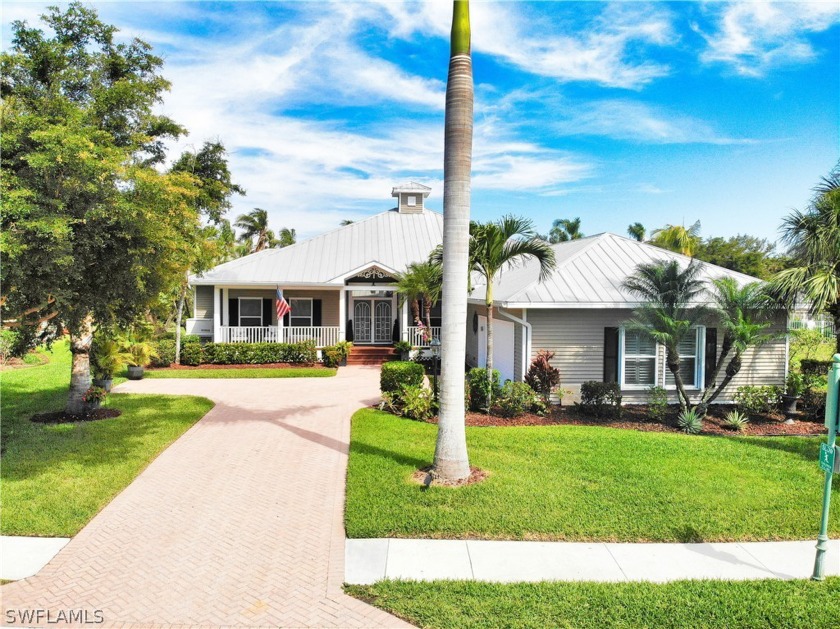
pixel 238 523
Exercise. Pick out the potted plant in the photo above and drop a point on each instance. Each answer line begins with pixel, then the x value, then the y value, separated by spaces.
pixel 93 397
pixel 344 348
pixel 106 359
pixel 139 355
pixel 404 348
pixel 794 388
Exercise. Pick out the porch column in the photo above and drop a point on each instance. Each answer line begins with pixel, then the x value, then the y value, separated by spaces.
pixel 217 314
pixel 404 321
pixel 342 314
pixel 225 307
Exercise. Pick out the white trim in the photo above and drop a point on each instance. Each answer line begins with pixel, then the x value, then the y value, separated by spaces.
pixel 311 312
pixel 239 312
pixel 384 267
pixel 526 337
pixel 622 355
pixel 342 315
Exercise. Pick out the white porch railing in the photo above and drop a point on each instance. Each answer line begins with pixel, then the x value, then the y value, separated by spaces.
pixel 414 335
pixel 322 335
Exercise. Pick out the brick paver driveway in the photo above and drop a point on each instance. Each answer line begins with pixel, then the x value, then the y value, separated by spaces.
pixel 238 523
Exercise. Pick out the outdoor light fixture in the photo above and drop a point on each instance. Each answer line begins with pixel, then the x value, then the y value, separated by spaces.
pixel 434 344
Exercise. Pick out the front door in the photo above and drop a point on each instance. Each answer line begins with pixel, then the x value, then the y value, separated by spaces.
pixel 382 322
pixel 372 321
pixel 362 324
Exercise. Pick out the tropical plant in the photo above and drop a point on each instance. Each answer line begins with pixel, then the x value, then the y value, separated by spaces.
pixel 690 421
pixel 636 231
pixel 795 384
pixel 286 237
pixel 677 238
pixel 668 313
pixel 482 389
pixel 255 231
pixel 94 394
pixel 139 353
pixel 757 400
pixel 565 229
pixel 106 358
pixel 517 398
pixel 451 461
pixel 421 281
pixel 542 376
pixel 735 420
pixel 813 239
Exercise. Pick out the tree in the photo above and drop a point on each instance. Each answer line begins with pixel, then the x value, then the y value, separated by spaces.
pixel 813 239
pixel 505 243
pixel 421 281
pixel 667 312
pixel 287 237
pixel 91 230
pixel 741 253
pixel 346 221
pixel 677 238
pixel 451 461
pixel 564 229
pixel 636 231
pixel 255 231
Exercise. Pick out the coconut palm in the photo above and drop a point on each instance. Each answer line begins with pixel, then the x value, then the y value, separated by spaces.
pixel 451 461
pixel 421 281
pixel 678 238
pixel 813 237
pixel 255 231
pixel 564 229
pixel 287 237
pixel 636 231
pixel 500 244
pixel 667 312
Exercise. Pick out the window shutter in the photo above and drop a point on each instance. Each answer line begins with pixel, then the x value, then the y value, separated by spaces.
pixel 266 311
pixel 233 311
pixel 316 312
pixel 287 319
pixel 710 354
pixel 610 354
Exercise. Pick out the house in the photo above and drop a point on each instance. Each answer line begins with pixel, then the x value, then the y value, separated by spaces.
pixel 341 285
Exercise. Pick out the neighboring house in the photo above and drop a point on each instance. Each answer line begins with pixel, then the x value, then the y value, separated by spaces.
pixel 341 285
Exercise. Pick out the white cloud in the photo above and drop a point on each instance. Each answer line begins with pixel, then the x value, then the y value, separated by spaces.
pixel 754 37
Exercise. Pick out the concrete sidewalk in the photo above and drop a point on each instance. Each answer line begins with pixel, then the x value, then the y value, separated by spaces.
pixel 22 557
pixel 370 560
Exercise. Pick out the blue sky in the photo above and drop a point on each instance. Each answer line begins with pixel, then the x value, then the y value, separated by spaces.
pixel 615 112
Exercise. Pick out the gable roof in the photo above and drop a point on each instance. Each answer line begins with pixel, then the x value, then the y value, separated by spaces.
pixel 390 240
pixel 588 274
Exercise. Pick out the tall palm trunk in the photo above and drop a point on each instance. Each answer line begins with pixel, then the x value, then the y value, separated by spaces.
pixel 672 359
pixel 451 460
pixel 80 342
pixel 427 313
pixel 489 361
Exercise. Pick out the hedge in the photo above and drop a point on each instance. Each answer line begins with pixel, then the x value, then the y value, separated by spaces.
pixel 601 399
pixel 193 353
pixel 397 373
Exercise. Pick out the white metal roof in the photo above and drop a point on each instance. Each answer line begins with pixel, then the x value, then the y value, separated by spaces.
pixel 588 274
pixel 411 186
pixel 390 240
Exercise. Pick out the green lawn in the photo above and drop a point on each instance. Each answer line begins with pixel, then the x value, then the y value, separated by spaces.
pixel 256 372
pixel 57 477
pixel 586 483
pixel 695 604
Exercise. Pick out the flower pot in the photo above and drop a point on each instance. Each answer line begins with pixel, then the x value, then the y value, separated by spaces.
pixel 789 404
pixel 93 405
pixel 343 362
pixel 135 372
pixel 405 355
pixel 105 383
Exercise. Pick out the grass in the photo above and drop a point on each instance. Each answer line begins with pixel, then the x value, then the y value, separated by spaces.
pixel 586 483
pixel 57 477
pixel 696 604
pixel 256 372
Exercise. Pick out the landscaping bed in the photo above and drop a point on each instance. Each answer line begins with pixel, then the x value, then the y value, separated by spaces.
pixel 60 417
pixel 173 366
pixel 266 370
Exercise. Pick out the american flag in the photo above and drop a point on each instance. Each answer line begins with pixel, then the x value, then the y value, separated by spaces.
pixel 282 306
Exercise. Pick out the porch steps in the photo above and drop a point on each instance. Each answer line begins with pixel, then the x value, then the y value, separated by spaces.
pixel 371 355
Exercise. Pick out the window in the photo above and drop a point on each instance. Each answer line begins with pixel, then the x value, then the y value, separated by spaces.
pixel 250 311
pixel 691 360
pixel 638 365
pixel 301 311
pixel 411 201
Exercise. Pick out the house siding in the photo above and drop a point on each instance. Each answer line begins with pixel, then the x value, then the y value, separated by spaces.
pixel 577 339
pixel 329 300
pixel 472 337
pixel 203 302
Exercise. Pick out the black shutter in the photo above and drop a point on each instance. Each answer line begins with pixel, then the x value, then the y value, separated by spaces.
pixel 316 312
pixel 610 354
pixel 395 332
pixel 710 354
pixel 233 311
pixel 287 319
pixel 267 307
pixel 349 332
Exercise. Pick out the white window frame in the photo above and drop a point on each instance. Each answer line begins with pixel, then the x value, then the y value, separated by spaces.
pixel 699 363
pixel 411 200
pixel 621 356
pixel 311 311
pixel 239 312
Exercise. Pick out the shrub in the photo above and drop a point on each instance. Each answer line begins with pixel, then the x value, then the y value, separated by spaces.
pixel 517 398
pixel 417 402
pixel 106 358
pixel 8 344
pixel 541 376
pixel 192 354
pixel 657 403
pixel 402 347
pixel 795 384
pixel 690 422
pixel 400 373
pixel 757 399
pixel 165 353
pixel 331 356
pixel 601 399
pixel 483 390
pixel 735 420
pixel 813 402
pixel 814 367
pixel 259 353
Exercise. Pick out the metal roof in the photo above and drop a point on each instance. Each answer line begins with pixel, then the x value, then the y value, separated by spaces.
pixel 589 273
pixel 390 240
pixel 411 186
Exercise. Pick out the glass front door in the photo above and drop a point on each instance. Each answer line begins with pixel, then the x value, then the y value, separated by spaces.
pixel 362 327
pixel 382 322
pixel 372 321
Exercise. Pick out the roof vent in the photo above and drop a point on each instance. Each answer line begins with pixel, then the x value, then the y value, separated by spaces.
pixel 411 196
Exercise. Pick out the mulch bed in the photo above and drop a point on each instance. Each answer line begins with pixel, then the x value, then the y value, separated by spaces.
pixel 60 417
pixel 260 366
pixel 424 476
pixel 19 363
pixel 636 417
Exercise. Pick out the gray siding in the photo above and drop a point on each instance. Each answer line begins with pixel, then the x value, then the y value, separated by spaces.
pixel 329 300
pixel 203 302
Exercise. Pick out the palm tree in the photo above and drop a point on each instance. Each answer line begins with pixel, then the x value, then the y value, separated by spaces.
pixel 678 238
pixel 636 231
pixel 504 243
pixel 451 461
pixel 421 281
pixel 410 290
pixel 287 237
pixel 813 238
pixel 255 231
pixel 346 221
pixel 667 313
pixel 564 229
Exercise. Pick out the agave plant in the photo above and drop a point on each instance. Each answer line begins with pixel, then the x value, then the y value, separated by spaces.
pixel 690 421
pixel 735 420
